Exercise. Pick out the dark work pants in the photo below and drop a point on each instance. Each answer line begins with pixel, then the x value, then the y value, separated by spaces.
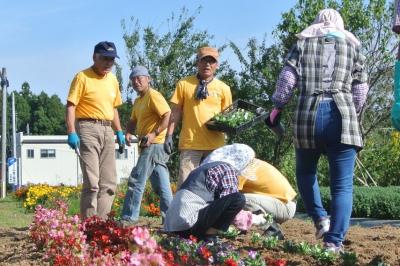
pixel 219 214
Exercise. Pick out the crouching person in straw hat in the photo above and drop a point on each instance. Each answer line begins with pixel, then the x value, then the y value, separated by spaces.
pixel 208 200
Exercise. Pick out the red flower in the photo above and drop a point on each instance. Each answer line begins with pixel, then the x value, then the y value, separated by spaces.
pixel 184 258
pixel 205 252
pixel 170 256
pixel 230 262
pixel 280 262
pixel 193 238
pixel 105 238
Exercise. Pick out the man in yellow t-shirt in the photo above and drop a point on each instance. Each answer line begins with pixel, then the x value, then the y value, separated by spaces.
pixel 196 100
pixel 149 120
pixel 268 191
pixel 92 113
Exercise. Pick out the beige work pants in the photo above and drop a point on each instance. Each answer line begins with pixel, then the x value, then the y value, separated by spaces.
pixel 97 160
pixel 188 161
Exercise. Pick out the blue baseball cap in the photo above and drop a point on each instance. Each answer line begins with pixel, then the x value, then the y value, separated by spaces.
pixel 106 49
pixel 139 71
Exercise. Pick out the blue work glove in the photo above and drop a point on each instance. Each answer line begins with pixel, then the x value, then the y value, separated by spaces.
pixel 168 144
pixel 73 140
pixel 120 138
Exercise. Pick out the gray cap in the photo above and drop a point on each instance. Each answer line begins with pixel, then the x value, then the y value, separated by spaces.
pixel 139 71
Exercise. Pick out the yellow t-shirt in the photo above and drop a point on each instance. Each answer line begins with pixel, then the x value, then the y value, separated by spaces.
pixel 147 111
pixel 195 113
pixel 269 181
pixel 94 96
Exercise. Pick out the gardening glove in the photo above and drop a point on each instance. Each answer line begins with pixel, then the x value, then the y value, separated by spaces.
pixel 274 117
pixel 168 144
pixel 120 140
pixel 243 220
pixel 73 140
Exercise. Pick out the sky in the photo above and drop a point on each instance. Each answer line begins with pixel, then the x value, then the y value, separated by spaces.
pixel 46 42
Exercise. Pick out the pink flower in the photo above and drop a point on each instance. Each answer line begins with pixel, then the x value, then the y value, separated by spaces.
pixel 137 259
pixel 155 259
pixel 150 244
pixel 139 235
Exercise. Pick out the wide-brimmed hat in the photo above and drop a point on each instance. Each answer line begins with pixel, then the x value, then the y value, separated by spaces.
pixel 238 155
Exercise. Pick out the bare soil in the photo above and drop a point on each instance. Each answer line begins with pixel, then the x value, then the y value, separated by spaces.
pixel 373 246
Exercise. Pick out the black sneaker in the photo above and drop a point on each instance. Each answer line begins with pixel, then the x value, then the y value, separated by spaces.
pixel 274 230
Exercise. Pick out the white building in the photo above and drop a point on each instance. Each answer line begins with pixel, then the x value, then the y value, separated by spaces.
pixel 49 159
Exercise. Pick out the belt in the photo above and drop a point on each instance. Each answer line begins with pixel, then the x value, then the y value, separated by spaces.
pixel 326 97
pixel 96 121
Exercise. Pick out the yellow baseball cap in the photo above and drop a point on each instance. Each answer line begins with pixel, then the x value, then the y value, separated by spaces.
pixel 207 51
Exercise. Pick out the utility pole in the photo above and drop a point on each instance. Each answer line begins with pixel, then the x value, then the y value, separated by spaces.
pixel 4 85
pixel 14 144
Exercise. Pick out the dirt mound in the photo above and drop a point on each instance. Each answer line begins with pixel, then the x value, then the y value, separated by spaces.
pixel 16 248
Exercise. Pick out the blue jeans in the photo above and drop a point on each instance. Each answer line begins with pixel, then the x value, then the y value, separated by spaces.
pixel 152 162
pixel 341 159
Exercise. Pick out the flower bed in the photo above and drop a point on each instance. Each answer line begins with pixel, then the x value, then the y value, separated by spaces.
pixel 46 195
pixel 66 240
pixel 374 245
pixel 43 194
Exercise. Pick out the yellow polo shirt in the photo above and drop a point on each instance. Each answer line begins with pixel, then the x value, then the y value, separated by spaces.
pixel 194 134
pixel 147 111
pixel 269 181
pixel 94 96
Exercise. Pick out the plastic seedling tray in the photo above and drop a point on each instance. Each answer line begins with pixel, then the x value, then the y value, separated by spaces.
pixel 258 116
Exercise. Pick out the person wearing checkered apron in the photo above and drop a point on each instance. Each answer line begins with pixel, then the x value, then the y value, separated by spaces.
pixel 327 67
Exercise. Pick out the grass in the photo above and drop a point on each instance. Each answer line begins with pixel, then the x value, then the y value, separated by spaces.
pixel 13 215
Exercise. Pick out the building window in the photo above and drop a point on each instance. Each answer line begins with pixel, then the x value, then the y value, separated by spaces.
pixel 47 153
pixel 30 153
pixel 122 156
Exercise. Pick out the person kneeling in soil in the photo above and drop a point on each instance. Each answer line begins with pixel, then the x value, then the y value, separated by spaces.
pixel 266 191
pixel 209 200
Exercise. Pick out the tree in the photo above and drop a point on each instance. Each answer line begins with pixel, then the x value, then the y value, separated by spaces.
pixel 47 115
pixel 168 56
pixel 255 83
pixel 23 110
pixel 26 90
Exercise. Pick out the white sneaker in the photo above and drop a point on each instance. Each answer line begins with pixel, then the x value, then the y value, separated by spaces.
pixel 330 247
pixel 322 226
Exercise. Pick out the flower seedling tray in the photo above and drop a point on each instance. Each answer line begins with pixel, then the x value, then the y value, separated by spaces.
pixel 239 116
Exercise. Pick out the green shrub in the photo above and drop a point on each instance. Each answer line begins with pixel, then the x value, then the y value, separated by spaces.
pixel 368 202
